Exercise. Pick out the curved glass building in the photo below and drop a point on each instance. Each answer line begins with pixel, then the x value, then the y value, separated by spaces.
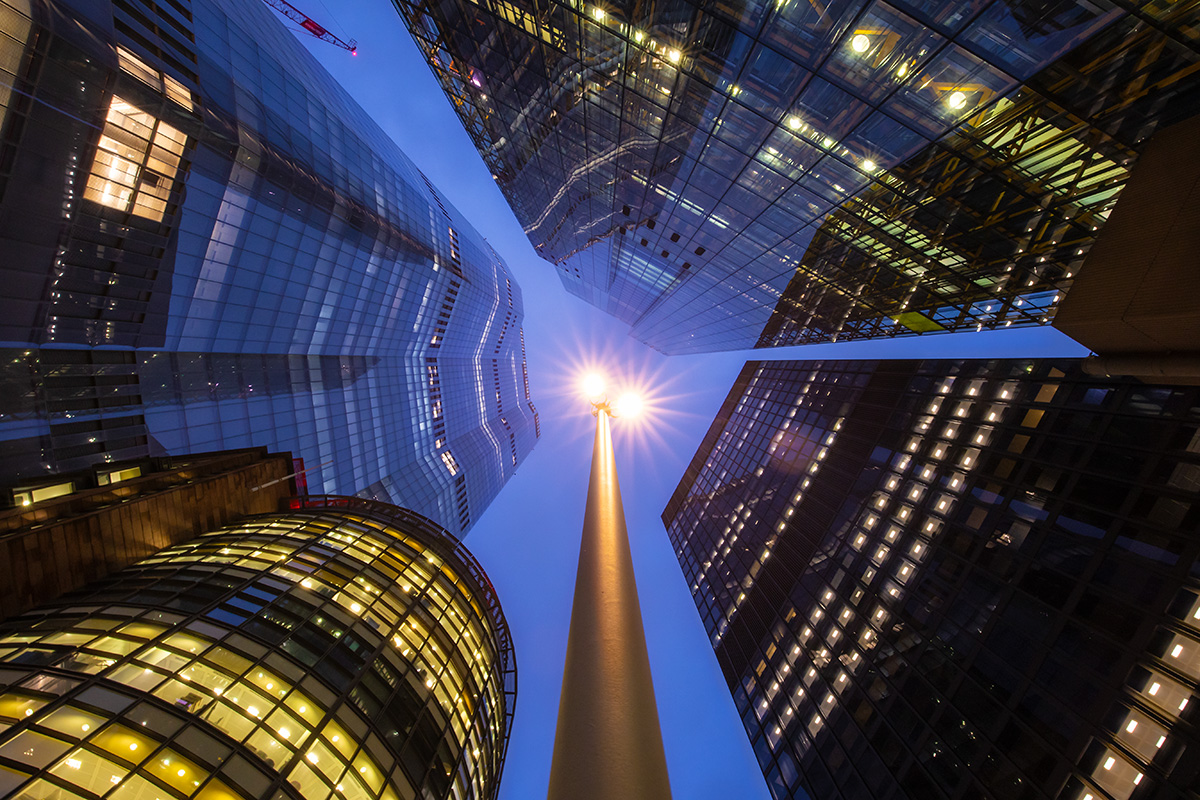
pixel 209 245
pixel 343 648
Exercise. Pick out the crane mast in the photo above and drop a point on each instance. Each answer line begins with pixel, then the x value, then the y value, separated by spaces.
pixel 311 25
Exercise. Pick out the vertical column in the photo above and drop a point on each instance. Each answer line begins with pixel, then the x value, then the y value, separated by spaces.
pixel 608 743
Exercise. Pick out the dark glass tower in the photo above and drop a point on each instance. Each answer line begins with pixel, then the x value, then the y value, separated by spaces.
pixel 342 649
pixel 207 244
pixel 744 173
pixel 953 579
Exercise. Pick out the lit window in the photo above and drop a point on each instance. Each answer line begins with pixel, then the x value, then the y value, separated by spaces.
pixel 28 496
pixel 136 163
pixel 165 84
pixel 118 475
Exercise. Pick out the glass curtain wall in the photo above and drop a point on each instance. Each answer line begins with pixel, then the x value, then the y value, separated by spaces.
pixel 342 649
pixel 231 253
pixel 749 173
pixel 952 579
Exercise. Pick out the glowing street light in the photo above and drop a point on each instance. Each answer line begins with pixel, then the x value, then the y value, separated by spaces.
pixel 593 386
pixel 608 743
pixel 628 405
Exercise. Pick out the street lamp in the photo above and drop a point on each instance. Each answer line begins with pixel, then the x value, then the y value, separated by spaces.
pixel 608 743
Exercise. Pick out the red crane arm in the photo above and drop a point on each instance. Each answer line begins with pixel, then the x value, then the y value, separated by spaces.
pixel 310 25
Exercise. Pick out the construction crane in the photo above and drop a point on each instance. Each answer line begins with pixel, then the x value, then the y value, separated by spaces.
pixel 310 25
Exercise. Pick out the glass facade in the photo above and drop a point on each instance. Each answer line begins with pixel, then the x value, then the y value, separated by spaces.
pixel 953 579
pixel 750 173
pixel 342 649
pixel 209 245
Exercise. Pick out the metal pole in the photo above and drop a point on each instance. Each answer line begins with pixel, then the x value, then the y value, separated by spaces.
pixel 608 743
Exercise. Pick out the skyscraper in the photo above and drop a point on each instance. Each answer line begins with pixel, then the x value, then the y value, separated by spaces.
pixel 342 648
pixel 948 579
pixel 740 174
pixel 207 244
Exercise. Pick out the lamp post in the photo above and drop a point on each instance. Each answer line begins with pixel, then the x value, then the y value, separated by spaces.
pixel 608 743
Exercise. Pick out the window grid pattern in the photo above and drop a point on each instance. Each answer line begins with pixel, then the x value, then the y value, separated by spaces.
pixel 986 589
pixel 85 740
pixel 352 650
pixel 276 224
pixel 732 174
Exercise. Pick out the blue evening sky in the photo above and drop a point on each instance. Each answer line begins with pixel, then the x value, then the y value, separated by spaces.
pixel 528 540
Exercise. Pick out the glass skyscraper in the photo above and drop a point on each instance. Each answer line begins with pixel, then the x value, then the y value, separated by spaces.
pixel 340 648
pixel 207 244
pixel 752 173
pixel 953 579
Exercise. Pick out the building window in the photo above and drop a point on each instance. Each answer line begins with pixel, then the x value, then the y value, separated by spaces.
pixel 25 497
pixel 118 475
pixel 137 162
pixel 164 84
